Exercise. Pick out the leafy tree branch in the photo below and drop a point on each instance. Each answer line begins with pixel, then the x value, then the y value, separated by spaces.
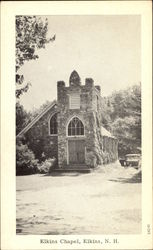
pixel 31 34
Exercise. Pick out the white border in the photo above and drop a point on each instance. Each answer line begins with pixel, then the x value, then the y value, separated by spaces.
pixel 9 9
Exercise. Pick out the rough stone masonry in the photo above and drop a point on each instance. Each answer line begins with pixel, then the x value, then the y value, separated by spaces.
pixel 71 128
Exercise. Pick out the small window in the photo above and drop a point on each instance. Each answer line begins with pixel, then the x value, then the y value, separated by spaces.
pixel 53 125
pixel 74 101
pixel 75 127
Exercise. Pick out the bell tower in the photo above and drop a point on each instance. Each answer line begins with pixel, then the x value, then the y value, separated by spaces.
pixel 78 120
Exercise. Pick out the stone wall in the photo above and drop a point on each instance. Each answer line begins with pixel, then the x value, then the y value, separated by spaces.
pixel 89 113
pixel 110 149
pixel 38 139
pixel 97 147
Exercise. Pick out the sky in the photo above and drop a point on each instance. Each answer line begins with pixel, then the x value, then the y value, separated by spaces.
pixel 106 48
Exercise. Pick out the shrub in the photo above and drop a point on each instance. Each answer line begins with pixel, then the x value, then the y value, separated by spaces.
pixel 91 159
pixel 25 160
pixel 98 155
pixel 47 165
pixel 106 157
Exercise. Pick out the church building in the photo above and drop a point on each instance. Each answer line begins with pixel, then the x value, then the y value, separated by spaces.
pixel 70 129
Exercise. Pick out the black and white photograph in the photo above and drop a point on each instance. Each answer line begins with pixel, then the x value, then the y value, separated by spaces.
pixel 78 129
pixel 78 124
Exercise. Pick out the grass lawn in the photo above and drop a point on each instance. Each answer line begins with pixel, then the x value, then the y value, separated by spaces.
pixel 106 201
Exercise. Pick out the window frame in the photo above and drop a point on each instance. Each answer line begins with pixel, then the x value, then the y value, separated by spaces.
pixel 75 136
pixel 49 127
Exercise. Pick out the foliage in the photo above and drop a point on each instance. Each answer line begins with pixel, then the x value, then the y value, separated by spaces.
pixel 22 117
pixel 31 34
pixel 25 160
pixel 126 102
pixel 121 114
pixel 106 157
pixel 91 159
pixel 47 165
pixel 37 111
pixel 107 109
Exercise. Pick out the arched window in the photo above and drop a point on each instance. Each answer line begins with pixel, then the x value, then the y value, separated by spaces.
pixel 75 127
pixel 53 125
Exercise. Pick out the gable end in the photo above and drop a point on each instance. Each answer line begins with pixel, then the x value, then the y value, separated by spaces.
pixel 37 118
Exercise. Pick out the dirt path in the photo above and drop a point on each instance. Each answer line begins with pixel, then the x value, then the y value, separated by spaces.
pixel 107 201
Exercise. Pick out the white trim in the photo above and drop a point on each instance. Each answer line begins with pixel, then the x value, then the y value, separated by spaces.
pixel 53 134
pixel 77 137
pixel 67 147
pixel 37 118
pixel 55 112
pixel 74 136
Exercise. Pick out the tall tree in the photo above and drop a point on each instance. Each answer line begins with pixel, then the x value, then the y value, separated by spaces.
pixel 37 111
pixel 31 34
pixel 122 116
pixel 22 117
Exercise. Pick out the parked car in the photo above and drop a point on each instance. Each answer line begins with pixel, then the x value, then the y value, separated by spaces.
pixel 133 160
pixel 122 161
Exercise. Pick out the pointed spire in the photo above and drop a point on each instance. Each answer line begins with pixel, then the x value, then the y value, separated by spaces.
pixel 75 79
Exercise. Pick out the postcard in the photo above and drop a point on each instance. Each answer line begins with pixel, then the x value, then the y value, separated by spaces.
pixel 76 97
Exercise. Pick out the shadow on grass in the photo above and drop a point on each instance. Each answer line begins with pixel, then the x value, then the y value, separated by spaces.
pixel 137 178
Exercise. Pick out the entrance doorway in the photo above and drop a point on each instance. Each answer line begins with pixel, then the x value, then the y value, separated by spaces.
pixel 76 151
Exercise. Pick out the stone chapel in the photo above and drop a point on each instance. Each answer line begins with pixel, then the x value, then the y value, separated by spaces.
pixel 70 129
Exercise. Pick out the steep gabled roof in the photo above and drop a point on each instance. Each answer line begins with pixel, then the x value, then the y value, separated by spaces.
pixel 37 118
pixel 106 133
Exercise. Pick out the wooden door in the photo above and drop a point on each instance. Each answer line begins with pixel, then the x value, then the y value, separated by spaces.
pixel 76 151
